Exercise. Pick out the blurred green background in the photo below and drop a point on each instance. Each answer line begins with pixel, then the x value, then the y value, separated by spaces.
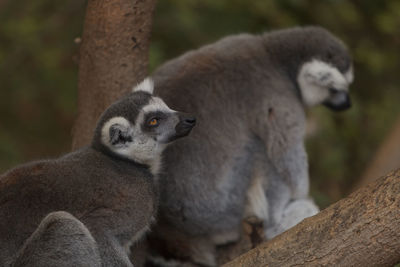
pixel 38 73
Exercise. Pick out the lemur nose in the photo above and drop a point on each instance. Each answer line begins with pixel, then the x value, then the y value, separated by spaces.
pixel 187 120
pixel 190 121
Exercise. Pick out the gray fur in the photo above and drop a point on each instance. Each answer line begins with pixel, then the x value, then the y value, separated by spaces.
pixel 87 207
pixel 59 240
pixel 245 93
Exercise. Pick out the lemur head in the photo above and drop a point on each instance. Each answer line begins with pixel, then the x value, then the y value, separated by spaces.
pixel 139 126
pixel 326 73
pixel 317 61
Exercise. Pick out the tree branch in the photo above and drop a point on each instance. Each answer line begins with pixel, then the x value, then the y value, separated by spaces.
pixel 362 229
pixel 387 157
pixel 113 57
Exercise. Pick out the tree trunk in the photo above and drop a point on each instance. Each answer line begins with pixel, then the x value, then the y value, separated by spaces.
pixel 387 157
pixel 360 230
pixel 113 57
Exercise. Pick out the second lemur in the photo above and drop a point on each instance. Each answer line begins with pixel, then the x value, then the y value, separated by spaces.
pixel 249 93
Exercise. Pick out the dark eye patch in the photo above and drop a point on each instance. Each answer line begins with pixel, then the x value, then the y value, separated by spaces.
pixel 155 114
pixel 159 115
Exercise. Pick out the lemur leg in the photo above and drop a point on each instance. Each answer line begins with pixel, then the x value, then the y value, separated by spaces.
pixel 292 181
pixel 294 212
pixel 267 196
pixel 278 193
pixel 269 199
pixel 256 199
pixel 60 240
pixel 256 202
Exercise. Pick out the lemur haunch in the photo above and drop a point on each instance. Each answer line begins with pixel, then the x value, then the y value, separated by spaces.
pixel 249 93
pixel 87 207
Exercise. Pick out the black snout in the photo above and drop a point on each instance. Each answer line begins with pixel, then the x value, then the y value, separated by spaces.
pixel 185 124
pixel 338 101
pixel 189 121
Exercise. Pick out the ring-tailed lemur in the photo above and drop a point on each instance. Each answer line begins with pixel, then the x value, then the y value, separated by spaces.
pixel 87 207
pixel 249 93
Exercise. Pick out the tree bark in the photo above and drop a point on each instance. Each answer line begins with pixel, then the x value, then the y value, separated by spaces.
pixel 360 230
pixel 113 57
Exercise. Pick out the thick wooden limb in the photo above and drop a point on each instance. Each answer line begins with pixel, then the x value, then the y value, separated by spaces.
pixel 360 230
pixel 113 57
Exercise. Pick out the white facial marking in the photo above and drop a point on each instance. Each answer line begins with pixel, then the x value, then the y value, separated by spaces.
pixel 142 149
pixel 147 85
pixel 316 77
pixel 146 150
pixel 349 75
pixel 156 104
pixel 150 152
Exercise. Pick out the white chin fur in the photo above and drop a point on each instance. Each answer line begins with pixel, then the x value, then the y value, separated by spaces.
pixel 147 85
pixel 316 77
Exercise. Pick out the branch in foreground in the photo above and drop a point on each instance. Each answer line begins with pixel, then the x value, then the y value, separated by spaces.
pixel 362 229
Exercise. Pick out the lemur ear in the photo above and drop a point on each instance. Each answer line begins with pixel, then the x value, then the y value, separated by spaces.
pixel 119 134
pixel 146 85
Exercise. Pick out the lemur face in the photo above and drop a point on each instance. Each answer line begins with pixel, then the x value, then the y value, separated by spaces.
pixel 163 124
pixel 142 138
pixel 323 83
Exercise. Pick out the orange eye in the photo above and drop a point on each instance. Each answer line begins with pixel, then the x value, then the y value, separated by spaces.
pixel 153 122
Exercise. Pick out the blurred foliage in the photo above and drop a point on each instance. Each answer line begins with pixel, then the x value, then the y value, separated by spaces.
pixel 39 76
